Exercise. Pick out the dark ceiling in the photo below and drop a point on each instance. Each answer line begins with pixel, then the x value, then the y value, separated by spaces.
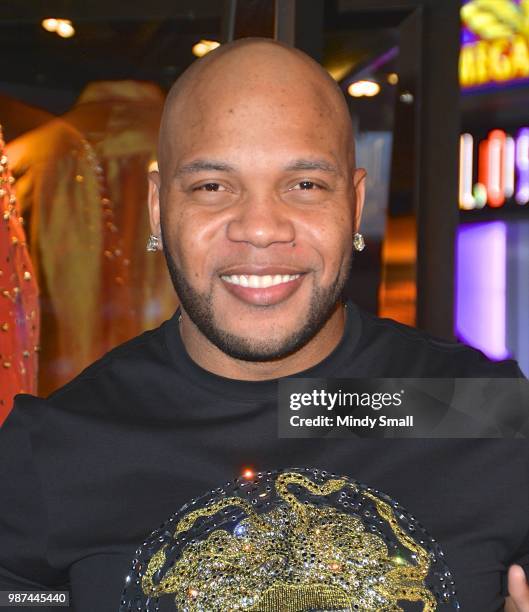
pixel 114 40
pixel 150 41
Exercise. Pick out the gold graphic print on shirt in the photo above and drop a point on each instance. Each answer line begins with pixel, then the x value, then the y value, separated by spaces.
pixel 302 555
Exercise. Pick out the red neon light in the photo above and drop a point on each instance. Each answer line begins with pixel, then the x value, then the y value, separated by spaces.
pixel 495 162
pixel 483 163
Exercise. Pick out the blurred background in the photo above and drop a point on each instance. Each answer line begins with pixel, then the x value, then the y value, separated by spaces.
pixel 439 96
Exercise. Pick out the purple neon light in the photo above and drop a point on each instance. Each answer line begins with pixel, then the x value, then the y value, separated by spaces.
pixel 481 287
pixel 522 165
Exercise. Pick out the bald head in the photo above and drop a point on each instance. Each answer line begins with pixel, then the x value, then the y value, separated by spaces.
pixel 251 75
pixel 256 204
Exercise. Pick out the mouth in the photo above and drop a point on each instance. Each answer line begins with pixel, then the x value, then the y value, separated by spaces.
pixel 264 287
pixel 255 281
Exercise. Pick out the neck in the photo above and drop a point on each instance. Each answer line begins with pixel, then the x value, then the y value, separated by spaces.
pixel 211 358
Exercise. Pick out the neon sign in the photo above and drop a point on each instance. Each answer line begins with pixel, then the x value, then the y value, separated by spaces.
pixel 502 170
pixel 481 287
pixel 495 42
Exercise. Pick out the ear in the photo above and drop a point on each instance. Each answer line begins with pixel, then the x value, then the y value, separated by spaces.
pixel 359 186
pixel 154 203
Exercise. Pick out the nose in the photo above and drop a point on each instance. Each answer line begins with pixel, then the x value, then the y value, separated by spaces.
pixel 261 221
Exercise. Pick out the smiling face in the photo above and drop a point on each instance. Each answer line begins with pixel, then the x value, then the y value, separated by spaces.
pixel 258 200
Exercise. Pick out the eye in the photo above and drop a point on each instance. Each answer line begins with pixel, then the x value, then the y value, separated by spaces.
pixel 210 187
pixel 306 186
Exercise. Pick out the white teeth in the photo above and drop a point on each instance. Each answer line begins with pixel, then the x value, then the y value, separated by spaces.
pixel 255 281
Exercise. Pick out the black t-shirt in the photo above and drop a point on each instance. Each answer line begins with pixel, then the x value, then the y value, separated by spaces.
pixel 88 473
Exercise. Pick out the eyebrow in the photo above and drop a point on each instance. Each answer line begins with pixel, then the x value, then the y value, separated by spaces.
pixel 201 165
pixel 209 165
pixel 312 164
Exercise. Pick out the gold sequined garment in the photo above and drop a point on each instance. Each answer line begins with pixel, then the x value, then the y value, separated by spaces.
pixel 82 185
pixel 290 541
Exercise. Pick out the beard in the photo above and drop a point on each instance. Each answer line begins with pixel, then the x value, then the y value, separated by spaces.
pixel 200 309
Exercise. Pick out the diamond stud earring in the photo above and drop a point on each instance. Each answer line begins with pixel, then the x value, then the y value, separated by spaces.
pixel 153 243
pixel 358 242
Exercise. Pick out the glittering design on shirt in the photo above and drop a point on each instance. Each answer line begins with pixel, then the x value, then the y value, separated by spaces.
pixel 290 541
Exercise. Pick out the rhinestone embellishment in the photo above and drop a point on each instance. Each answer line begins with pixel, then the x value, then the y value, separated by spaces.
pixel 290 541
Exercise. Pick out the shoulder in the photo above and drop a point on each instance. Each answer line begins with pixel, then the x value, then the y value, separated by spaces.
pixel 116 386
pixel 407 351
pixel 113 390
pixel 120 371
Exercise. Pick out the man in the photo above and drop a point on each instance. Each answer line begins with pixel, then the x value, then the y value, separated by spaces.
pixel 255 207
